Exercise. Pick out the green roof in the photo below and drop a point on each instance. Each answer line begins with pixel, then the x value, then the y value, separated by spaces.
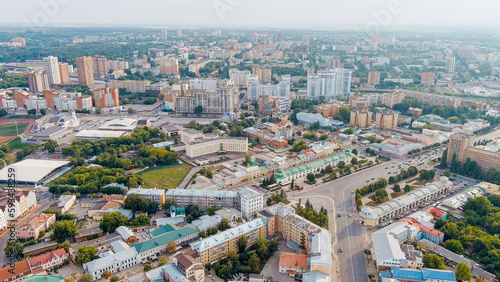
pixel 162 230
pixel 313 165
pixel 44 278
pixel 164 239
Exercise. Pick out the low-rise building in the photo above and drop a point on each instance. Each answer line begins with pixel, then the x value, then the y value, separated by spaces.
pixel 293 263
pixel 112 262
pixel 48 261
pixel 66 202
pixel 34 226
pixel 155 195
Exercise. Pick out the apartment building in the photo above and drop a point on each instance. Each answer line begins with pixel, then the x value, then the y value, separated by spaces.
pixel 190 267
pixel 113 262
pixel 118 64
pixel 34 226
pixel 38 81
pixel 169 65
pixel 428 78
pixel 64 71
pixel 361 118
pixel 52 66
pixel 257 89
pixel 461 146
pixel 206 147
pixel 386 120
pixel 85 69
pixel 373 78
pixel 263 74
pixel 155 195
pixel 328 110
pixel 24 202
pixel 250 202
pixel 100 66
pixel 134 86
pixel 67 100
pixel 106 97
pixel 217 246
pixel 225 100
pixel 207 84
pixel 239 78
pixel 332 84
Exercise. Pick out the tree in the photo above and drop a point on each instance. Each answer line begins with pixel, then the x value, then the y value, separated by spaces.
pixel 310 177
pixel 50 146
pixel 189 218
pixel 447 173
pixel 354 161
pixel 112 221
pixel 212 209
pixel 242 244
pixel 162 261
pixel 329 169
pixel 198 110
pixel 31 112
pixel 43 112
pixel 407 188
pixel 86 278
pixel 98 110
pixel 194 210
pixel 223 225
pixel 114 278
pixel 355 152
pixel 254 262
pixel 396 188
pixel 309 206
pixel 147 267
pixel 341 164
pixel 62 230
pixel 130 110
pixel 463 272
pixel 141 220
pixel 454 246
pixel 106 274
pixel 14 249
pixel 247 160
pixel 442 162
pixel 85 254
pixel 433 261
pixel 171 247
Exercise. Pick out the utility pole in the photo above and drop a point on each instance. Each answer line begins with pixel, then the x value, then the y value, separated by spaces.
pixel 17 130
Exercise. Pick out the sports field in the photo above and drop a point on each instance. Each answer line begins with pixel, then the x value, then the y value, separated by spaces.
pixel 9 129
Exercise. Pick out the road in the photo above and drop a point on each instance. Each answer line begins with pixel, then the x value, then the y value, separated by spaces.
pixel 350 236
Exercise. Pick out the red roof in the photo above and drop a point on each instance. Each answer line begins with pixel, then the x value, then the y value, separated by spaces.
pixel 421 227
pixel 308 152
pixel 45 258
pixel 21 267
pixel 436 211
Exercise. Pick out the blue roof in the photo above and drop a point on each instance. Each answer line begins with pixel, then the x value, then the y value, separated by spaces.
pixel 436 274
pixel 423 274
pixel 407 274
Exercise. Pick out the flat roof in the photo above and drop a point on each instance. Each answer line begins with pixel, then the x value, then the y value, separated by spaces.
pixel 99 134
pixel 31 170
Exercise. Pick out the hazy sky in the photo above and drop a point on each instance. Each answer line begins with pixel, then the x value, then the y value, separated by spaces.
pixel 229 13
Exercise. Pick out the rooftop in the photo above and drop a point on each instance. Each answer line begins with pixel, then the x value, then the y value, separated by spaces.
pixel 293 260
pixel 165 238
pixel 30 170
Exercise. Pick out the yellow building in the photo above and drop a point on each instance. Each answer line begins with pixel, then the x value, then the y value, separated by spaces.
pixel 217 246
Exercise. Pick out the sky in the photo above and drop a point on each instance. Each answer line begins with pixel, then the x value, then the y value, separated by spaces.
pixel 252 13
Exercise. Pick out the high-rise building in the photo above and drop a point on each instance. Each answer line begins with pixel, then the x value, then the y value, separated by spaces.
pixel 257 89
pixel 179 32
pixel 163 35
pixel 85 70
pixel 38 81
pixel 67 100
pixel 225 100
pixel 52 66
pixel 118 64
pixel 331 84
pixel 239 78
pixel 386 119
pixel 428 78
pixel 169 65
pixel 362 118
pixel 450 64
pixel 20 40
pixel 373 78
pixel 106 97
pixel 100 66
pixel 333 63
pixel 264 74
pixel 64 71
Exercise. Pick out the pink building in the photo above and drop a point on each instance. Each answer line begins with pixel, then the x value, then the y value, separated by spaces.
pixel 34 226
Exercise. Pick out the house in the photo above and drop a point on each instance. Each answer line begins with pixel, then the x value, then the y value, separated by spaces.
pixel 34 226
pixel 191 268
pixel 48 261
pixel 293 263
pixel 206 221
pixel 114 262
pixel 66 202
pixel 126 234
pixel 19 270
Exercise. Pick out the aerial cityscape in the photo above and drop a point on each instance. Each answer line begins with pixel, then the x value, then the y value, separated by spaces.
pixel 231 140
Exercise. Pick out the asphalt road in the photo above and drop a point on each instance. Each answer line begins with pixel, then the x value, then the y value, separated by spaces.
pixel 350 236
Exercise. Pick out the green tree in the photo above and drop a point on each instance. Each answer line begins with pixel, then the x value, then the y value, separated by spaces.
pixel 212 209
pixel 341 164
pixel 14 249
pixel 254 262
pixel 162 261
pixel 407 188
pixel 141 220
pixel 50 146
pixel 114 278
pixel 86 278
pixel 454 246
pixel 223 225
pixel 396 188
pixel 147 267
pixel 65 246
pixel 463 272
pixel 85 254
pixel 43 112
pixel 98 110
pixel 433 261
pixel 130 110
pixel 354 161
pixel 198 110
pixel 310 177
pixel 242 244
pixel 63 230
pixel 355 152
pixel 112 221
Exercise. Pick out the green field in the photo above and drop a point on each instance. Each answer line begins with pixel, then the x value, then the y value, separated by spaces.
pixel 9 129
pixel 166 176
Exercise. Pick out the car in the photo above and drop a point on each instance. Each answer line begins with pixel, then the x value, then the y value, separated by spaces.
pixel 338 215
pixel 373 178
pixel 341 250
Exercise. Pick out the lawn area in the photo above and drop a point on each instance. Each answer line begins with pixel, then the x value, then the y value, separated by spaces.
pixel 9 129
pixel 14 146
pixel 166 176
pixel 24 116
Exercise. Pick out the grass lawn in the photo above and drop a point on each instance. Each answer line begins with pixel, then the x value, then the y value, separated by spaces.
pixel 9 129
pixel 24 116
pixel 14 146
pixel 166 176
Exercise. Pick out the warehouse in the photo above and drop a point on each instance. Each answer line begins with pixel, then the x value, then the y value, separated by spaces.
pixel 98 134
pixel 32 172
